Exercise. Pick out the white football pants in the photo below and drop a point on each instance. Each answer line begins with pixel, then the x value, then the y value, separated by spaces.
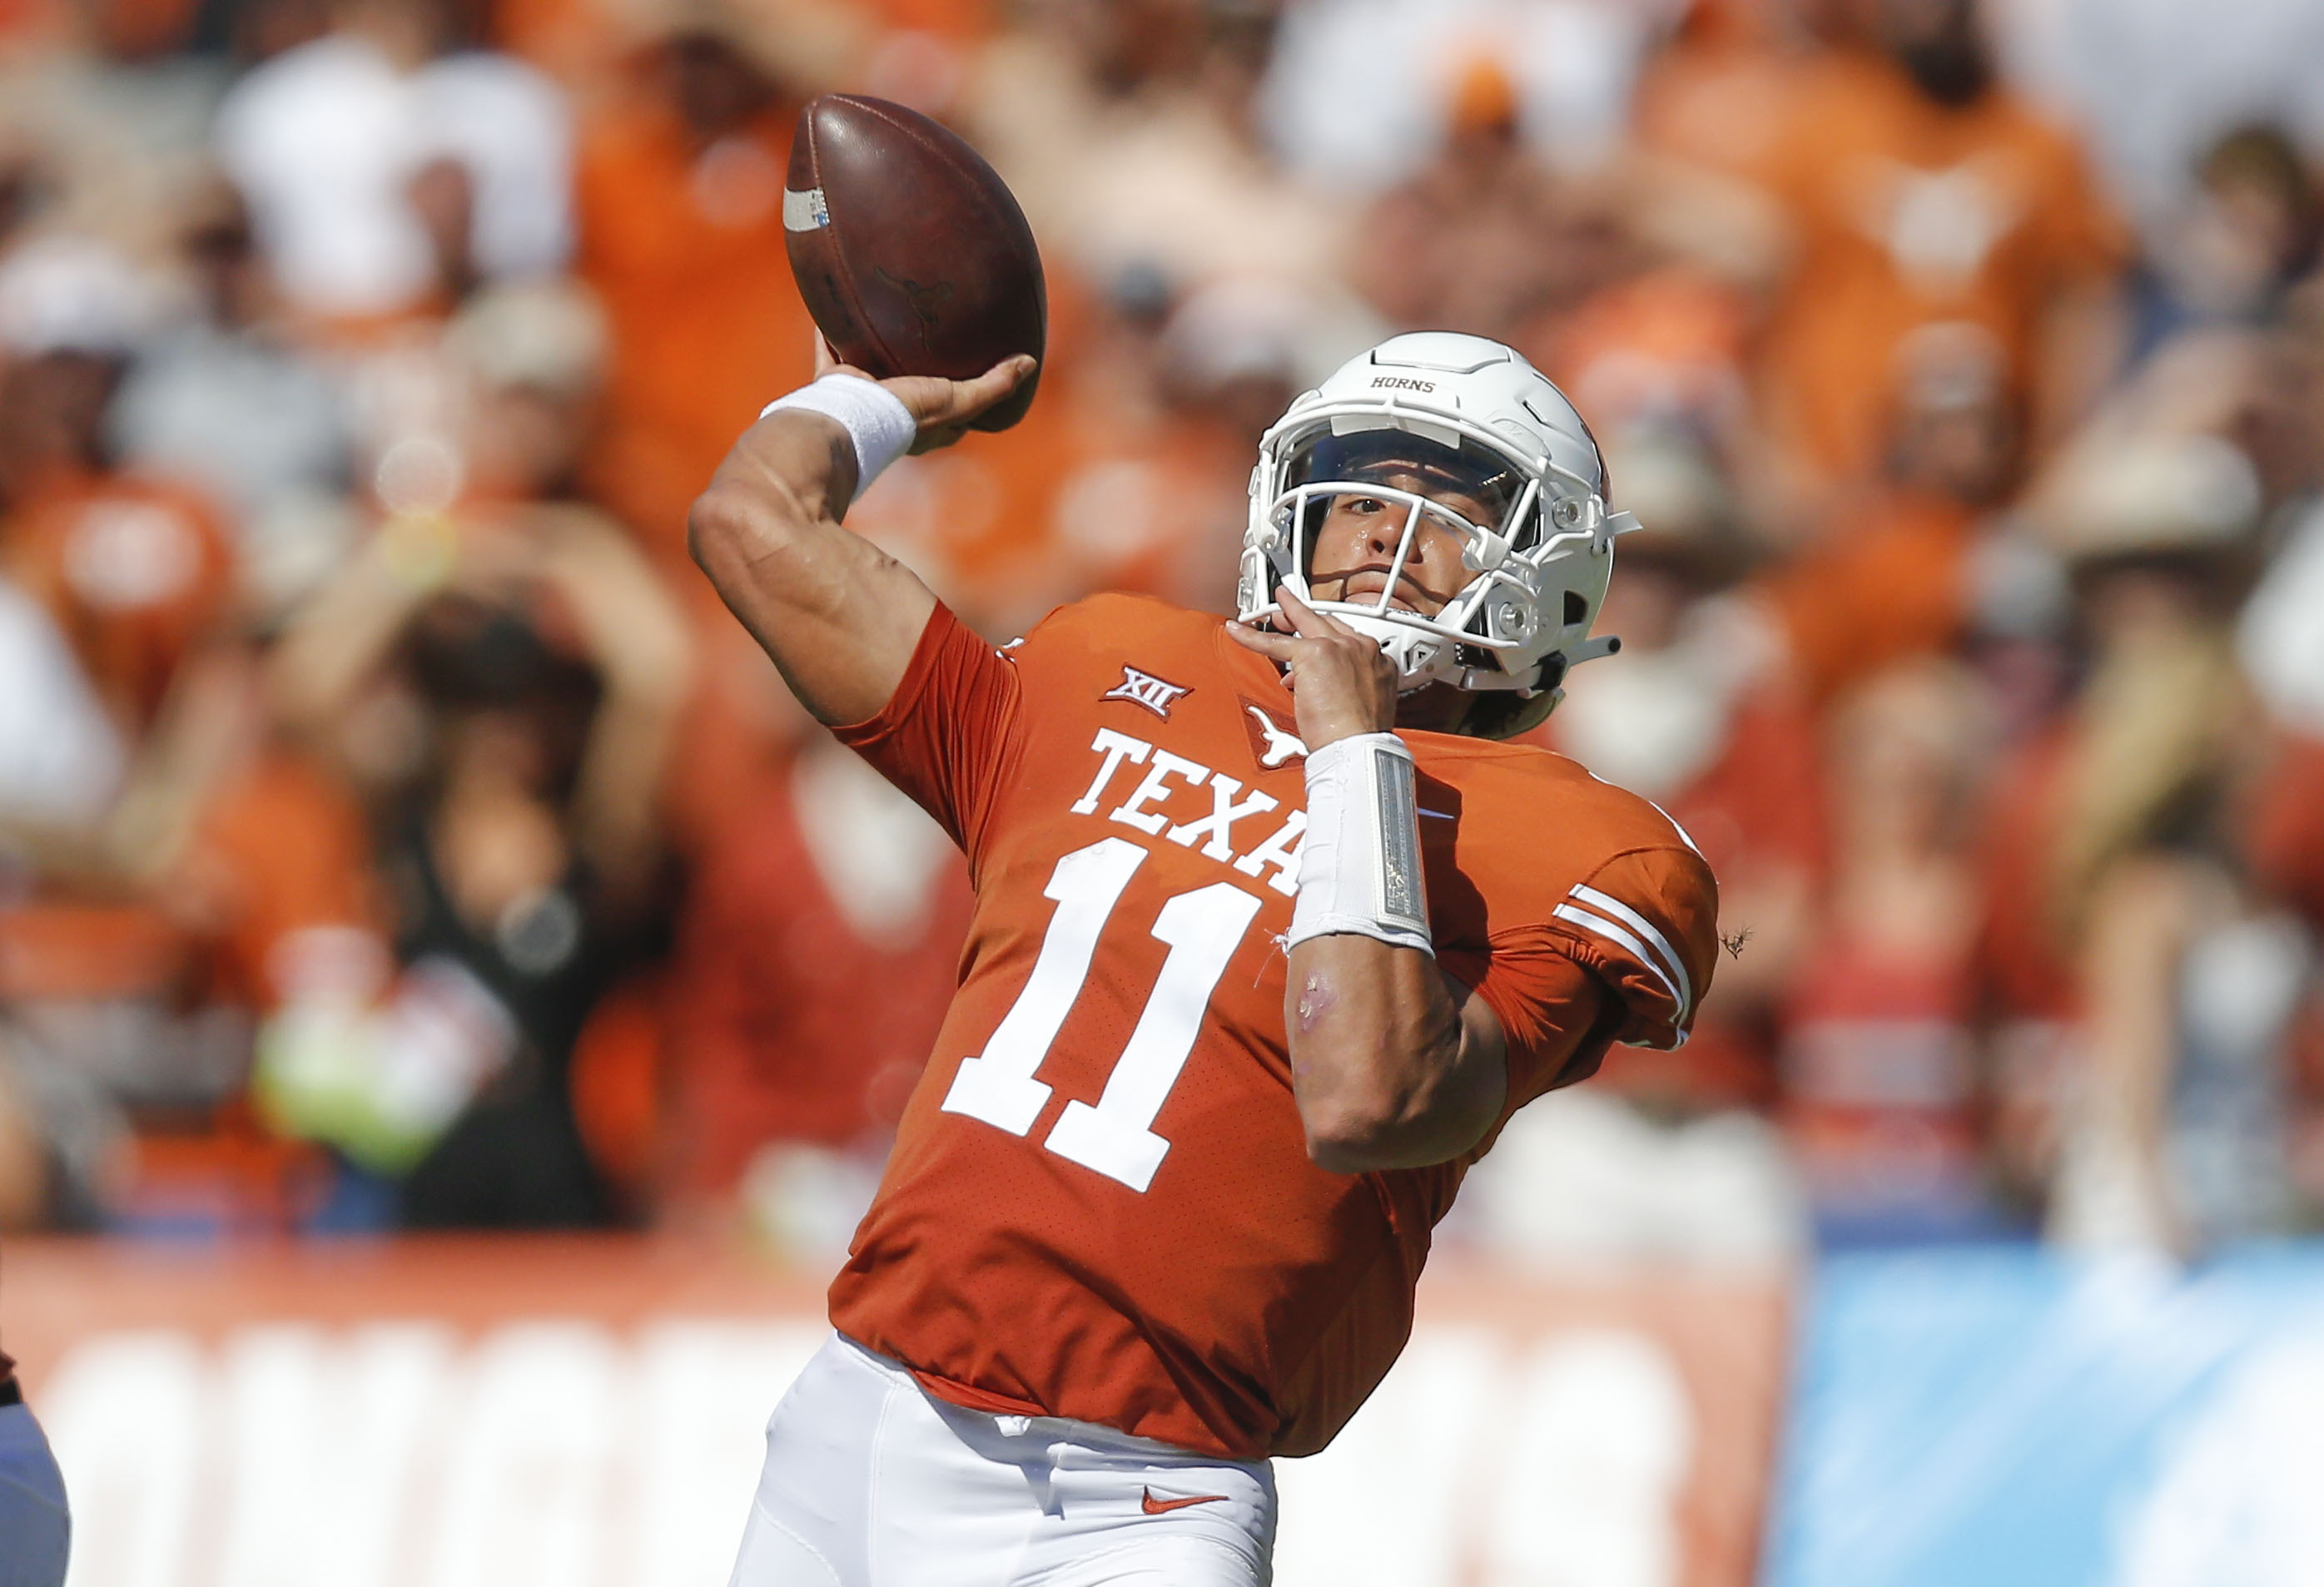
pixel 871 1481
pixel 34 1529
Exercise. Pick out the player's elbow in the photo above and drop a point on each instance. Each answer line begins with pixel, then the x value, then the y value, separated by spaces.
pixel 1369 1128
pixel 723 522
pixel 747 517
pixel 1349 1142
pixel 1352 1144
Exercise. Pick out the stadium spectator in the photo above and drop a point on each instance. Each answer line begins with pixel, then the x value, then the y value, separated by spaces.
pixel 1882 1086
pixel 1128 129
pixel 679 200
pixel 1486 234
pixel 1360 92
pixel 390 166
pixel 2116 910
pixel 533 664
pixel 2236 245
pixel 135 571
pixel 2279 640
pixel 132 687
pixel 230 402
pixel 1896 573
pixel 1697 711
pixel 1921 189
pixel 1723 90
pixel 61 755
pixel 61 765
pixel 1166 405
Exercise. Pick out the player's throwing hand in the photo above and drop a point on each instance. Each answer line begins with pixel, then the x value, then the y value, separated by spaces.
pixel 940 408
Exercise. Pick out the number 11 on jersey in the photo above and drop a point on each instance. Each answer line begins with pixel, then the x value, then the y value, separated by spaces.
pixel 1115 1135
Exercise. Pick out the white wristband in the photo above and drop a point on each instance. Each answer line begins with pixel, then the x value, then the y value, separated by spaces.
pixel 874 417
pixel 1360 862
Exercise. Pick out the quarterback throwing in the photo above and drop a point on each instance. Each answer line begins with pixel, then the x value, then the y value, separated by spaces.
pixel 1272 935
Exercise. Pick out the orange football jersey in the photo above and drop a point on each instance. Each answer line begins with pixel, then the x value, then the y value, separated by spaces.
pixel 1100 1203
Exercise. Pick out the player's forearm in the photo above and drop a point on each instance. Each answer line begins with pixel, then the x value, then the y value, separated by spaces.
pixel 788 481
pixel 1380 1065
pixel 839 616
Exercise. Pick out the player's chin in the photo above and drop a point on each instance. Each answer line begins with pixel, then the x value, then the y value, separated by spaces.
pixel 1399 602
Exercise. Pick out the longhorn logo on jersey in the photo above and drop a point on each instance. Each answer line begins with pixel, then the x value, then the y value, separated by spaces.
pixel 1143 689
pixel 1272 742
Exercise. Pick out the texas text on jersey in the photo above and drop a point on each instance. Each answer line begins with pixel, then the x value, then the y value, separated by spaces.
pixel 1105 1146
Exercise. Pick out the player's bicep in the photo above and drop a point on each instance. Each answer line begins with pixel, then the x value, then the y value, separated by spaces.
pixel 949 731
pixel 1483 1062
pixel 839 616
pixel 1536 1010
pixel 840 624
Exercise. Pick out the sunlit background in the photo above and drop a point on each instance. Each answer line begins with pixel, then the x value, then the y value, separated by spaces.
pixel 453 1005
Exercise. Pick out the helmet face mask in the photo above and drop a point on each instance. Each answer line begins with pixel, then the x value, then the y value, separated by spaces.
pixel 1467 437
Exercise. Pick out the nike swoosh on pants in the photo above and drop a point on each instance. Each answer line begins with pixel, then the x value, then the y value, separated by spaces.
pixel 1163 1507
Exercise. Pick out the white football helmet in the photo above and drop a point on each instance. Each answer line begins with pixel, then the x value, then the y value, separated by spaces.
pixel 1476 415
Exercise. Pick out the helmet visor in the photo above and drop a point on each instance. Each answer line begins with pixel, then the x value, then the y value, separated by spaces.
pixel 1468 481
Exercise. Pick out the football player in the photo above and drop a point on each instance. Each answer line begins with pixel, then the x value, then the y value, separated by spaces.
pixel 35 1528
pixel 1272 935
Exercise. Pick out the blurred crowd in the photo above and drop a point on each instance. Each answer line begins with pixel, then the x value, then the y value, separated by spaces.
pixel 395 834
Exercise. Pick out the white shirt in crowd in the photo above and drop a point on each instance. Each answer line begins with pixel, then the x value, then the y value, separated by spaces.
pixel 324 139
pixel 61 760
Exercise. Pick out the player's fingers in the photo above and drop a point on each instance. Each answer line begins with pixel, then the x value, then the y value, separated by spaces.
pixel 1323 624
pixel 973 397
pixel 935 402
pixel 934 438
pixel 1308 623
pixel 1296 611
pixel 1281 647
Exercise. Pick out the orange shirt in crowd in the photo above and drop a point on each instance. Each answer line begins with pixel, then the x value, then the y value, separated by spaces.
pixel 64 951
pixel 958 22
pixel 282 848
pixel 1671 340
pixel 789 1017
pixel 686 250
pixel 1880 1084
pixel 134 571
pixel 33 25
pixel 1906 213
pixel 2283 846
pixel 1723 92
pixel 1890 581
pixel 2025 958
pixel 2285 840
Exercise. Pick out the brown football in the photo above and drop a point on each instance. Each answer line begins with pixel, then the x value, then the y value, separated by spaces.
pixel 910 251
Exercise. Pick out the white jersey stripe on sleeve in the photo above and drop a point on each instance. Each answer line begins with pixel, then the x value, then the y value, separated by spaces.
pixel 1607 904
pixel 1637 950
pixel 1684 835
